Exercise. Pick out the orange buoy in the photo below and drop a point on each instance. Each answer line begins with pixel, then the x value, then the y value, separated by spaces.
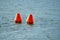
pixel 18 18
pixel 29 19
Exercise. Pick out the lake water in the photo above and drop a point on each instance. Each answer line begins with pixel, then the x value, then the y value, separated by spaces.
pixel 46 15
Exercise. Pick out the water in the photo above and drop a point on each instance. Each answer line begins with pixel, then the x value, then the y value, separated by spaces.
pixel 46 15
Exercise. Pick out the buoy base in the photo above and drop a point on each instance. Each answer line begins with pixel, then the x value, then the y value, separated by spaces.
pixel 30 23
pixel 18 22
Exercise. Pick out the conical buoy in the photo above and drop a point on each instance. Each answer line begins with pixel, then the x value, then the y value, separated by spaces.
pixel 29 19
pixel 18 18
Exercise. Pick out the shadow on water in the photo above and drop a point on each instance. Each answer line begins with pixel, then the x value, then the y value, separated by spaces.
pixel 30 24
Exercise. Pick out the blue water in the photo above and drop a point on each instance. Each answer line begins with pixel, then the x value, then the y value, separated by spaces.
pixel 46 15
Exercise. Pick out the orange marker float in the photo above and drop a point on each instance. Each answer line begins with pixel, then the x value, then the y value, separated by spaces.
pixel 18 18
pixel 29 19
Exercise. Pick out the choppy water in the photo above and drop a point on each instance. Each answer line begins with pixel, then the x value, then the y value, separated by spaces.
pixel 46 15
